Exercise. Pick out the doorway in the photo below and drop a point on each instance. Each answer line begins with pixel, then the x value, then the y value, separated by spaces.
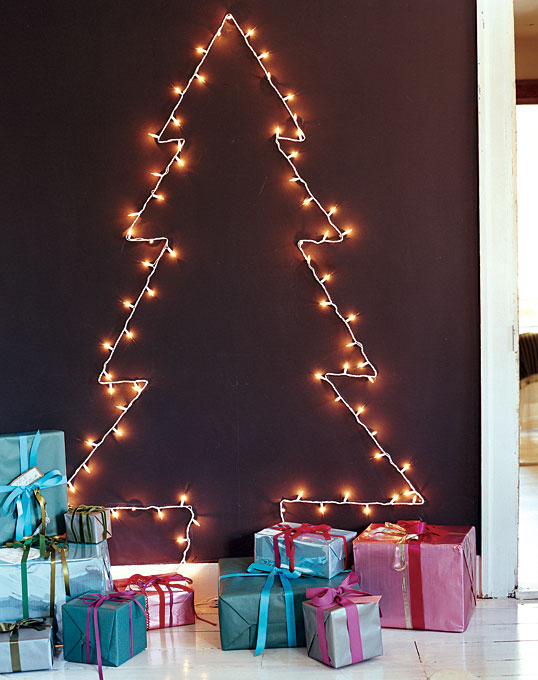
pixel 527 172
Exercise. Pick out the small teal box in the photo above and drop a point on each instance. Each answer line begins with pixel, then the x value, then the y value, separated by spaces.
pixel 114 631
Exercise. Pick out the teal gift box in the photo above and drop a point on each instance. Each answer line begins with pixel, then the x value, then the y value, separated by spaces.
pixel 34 461
pixel 246 601
pixel 121 622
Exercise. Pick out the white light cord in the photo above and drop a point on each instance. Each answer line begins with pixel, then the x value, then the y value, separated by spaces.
pixel 369 371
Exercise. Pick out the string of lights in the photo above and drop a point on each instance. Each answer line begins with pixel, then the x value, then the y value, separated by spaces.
pixel 365 370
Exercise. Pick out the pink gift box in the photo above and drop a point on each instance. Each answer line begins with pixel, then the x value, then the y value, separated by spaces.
pixel 169 601
pixel 425 573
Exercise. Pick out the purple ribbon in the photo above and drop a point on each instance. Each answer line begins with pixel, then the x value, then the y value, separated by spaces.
pixel 323 598
pixel 94 601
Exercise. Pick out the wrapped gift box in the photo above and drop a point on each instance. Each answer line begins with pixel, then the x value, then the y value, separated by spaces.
pixel 26 645
pixel 325 553
pixel 239 605
pixel 121 629
pixel 426 573
pixel 169 598
pixel 33 461
pixel 342 626
pixel 88 568
pixel 88 524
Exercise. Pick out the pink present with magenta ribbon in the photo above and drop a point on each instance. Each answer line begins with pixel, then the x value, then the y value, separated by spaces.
pixel 169 598
pixel 426 573
pixel 342 625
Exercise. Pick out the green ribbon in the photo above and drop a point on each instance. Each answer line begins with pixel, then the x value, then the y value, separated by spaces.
pixel 53 545
pixel 86 512
pixel 13 630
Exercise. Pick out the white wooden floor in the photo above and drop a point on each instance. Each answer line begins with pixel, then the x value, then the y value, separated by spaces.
pixel 501 642
pixel 528 513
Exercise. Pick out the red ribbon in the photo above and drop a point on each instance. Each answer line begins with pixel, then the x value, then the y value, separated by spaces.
pixel 156 582
pixel 94 601
pixel 413 533
pixel 291 533
pixel 323 598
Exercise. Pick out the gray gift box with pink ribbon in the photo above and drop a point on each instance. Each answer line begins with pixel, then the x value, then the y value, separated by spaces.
pixel 312 549
pixel 342 625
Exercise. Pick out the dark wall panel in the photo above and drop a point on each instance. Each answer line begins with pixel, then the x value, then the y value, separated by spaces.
pixel 233 416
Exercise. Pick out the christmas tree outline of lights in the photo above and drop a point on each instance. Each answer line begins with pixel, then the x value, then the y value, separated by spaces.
pixel 332 236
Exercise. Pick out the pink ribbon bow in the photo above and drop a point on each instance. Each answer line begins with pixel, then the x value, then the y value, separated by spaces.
pixel 323 598
pixel 94 601
pixel 157 582
pixel 291 533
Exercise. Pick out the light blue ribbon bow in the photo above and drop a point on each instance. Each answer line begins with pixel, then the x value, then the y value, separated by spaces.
pixel 284 574
pixel 18 500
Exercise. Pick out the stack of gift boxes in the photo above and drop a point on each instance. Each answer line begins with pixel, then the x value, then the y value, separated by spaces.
pixel 55 580
pixel 311 586
pixel 332 591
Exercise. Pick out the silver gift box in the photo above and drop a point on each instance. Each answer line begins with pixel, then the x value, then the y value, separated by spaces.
pixel 313 554
pixel 36 652
pixel 87 528
pixel 336 631
pixel 89 571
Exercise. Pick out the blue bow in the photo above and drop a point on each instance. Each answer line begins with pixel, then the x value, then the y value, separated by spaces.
pixel 284 574
pixel 18 501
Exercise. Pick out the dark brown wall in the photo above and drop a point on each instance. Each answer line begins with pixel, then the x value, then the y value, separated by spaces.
pixel 387 91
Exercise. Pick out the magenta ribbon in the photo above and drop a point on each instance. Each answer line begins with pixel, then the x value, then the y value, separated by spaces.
pixel 323 598
pixel 291 533
pixel 169 581
pixel 94 601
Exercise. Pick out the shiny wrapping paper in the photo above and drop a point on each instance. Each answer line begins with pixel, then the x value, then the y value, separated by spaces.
pixel 89 570
pixel 314 555
pixel 115 632
pixel 87 527
pixel 166 606
pixel 239 604
pixel 337 633
pixel 435 592
pixel 50 456
pixel 35 650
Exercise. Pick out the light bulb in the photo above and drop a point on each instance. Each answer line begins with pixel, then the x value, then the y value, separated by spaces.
pixel 200 50
pixel 264 55
pixel 172 252
pixel 150 292
pixel 195 521
pixel 129 334
pixel 351 317
pixel 181 539
pixel 114 513
pixel 200 78
pixel 318 376
pixel 307 201
pixel 249 32
pixel 346 496
pixel 107 346
pixel 406 467
pixel 300 495
pixel 366 510
pixel 378 455
pixel 88 442
pixel 177 90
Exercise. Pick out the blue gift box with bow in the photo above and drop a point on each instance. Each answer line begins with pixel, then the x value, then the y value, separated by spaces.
pixel 261 606
pixel 41 455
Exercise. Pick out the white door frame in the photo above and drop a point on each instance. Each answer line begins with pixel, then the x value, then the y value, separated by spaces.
pixel 498 295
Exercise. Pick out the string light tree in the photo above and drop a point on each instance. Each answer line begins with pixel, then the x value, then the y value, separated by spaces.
pixel 334 235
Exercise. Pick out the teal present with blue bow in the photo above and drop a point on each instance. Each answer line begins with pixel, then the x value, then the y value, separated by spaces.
pixel 261 606
pixel 33 484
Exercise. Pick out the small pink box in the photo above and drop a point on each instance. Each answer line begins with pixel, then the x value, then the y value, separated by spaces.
pixel 425 573
pixel 169 601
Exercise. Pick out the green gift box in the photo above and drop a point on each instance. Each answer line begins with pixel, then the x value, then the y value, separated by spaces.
pixel 32 483
pixel 121 628
pixel 245 600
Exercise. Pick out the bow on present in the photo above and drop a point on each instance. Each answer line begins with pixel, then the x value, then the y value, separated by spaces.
pixel 411 533
pixel 18 500
pixel 157 583
pixel 13 630
pixel 94 601
pixel 263 613
pixel 85 512
pixel 291 533
pixel 323 598
pixel 52 545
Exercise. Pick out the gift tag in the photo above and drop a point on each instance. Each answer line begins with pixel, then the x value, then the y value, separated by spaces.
pixel 28 477
pixel 14 555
